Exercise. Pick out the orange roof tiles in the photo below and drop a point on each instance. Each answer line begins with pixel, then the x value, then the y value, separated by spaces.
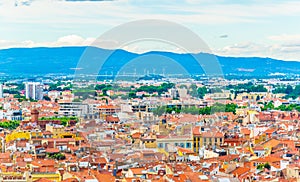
pixel 70 180
pixel 107 107
pixel 112 118
pixel 52 150
pixel 43 163
pixel 137 170
pixel 43 180
pixel 245 131
pixel 240 171
pixel 197 130
pixel 105 177
pixel 269 159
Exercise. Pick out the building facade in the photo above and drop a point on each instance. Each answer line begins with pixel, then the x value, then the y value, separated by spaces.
pixel 34 90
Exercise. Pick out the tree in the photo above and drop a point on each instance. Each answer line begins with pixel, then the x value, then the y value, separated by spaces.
pixel 11 125
pixel 270 105
pixel 172 109
pixel 132 95
pixel 289 89
pixel 193 90
pixel 231 108
pixel 183 86
pixel 205 110
pixel 257 98
pixel 218 107
pixel 160 110
pixel 190 110
pixel 215 90
pixel 57 156
pixel 260 167
pixel 267 166
pixel 64 120
pixel 46 97
pixel 201 92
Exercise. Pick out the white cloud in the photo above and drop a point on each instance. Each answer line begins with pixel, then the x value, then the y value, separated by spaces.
pixel 73 40
pixel 249 49
pixel 69 40
pixel 52 16
pixel 286 38
pixel 115 12
pixel 288 52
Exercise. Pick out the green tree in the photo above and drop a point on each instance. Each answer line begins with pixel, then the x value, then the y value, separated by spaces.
pixel 289 89
pixel 267 166
pixel 132 95
pixel 269 105
pixel 201 92
pixel 46 97
pixel 205 110
pixel 231 108
pixel 160 110
pixel 190 110
pixel 11 125
pixel 193 90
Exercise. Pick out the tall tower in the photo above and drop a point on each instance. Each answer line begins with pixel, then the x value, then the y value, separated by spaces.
pixel 34 90
pixel 34 116
pixel 1 90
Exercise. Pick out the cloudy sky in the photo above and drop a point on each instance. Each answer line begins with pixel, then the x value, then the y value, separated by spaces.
pixel 253 28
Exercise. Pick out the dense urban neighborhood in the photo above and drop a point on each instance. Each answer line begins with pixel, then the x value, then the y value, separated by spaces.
pixel 149 91
pixel 168 130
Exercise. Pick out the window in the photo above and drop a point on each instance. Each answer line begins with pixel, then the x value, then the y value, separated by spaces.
pixel 160 145
pixel 188 145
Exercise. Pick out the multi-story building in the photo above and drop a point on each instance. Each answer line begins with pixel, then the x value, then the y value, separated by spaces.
pixel 183 141
pixel 72 109
pixel 11 115
pixel 106 110
pixel 55 129
pixel 1 90
pixel 34 90
pixel 206 138
pixel 293 171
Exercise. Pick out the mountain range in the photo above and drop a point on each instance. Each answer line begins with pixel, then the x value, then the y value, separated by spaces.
pixel 68 60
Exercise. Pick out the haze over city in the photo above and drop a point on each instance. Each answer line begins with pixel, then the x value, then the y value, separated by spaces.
pixel 149 91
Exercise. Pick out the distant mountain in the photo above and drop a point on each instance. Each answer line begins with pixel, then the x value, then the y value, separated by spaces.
pixel 66 60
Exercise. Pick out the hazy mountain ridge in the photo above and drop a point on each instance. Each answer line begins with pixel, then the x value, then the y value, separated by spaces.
pixel 61 60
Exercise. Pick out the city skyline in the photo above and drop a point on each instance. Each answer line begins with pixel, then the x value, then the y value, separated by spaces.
pixel 149 91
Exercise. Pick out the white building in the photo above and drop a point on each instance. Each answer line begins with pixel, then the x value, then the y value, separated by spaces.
pixel 72 109
pixel 1 90
pixel 34 90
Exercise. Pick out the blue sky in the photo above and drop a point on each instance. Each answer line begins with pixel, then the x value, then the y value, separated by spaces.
pixel 233 28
